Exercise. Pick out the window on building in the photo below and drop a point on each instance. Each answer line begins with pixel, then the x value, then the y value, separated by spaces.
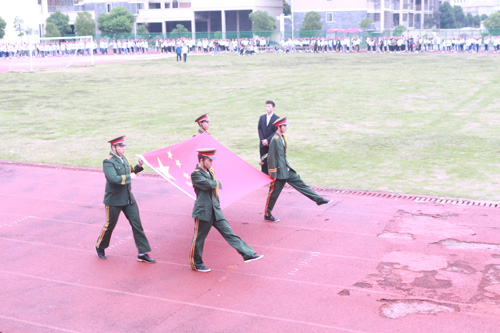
pixel 154 5
pixel 167 4
pixel 108 8
pixel 329 17
pixel 175 4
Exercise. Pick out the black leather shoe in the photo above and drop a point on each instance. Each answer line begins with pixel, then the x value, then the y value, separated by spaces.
pixel 271 218
pixel 100 253
pixel 254 257
pixel 203 269
pixel 323 201
pixel 145 258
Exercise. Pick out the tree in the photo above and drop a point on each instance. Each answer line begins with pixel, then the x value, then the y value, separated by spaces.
pixel 287 10
pixel 431 21
pixel 119 20
pixel 3 24
pixel 459 16
pixel 484 17
pixel 446 16
pixel 61 21
pixel 398 30
pixel 51 30
pixel 311 22
pixel 469 20
pixel 142 29
pixel 262 21
pixel 493 21
pixel 476 21
pixel 179 31
pixel 366 23
pixel 84 24
pixel 18 26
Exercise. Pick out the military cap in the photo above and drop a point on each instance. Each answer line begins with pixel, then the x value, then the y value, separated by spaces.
pixel 118 141
pixel 202 118
pixel 280 121
pixel 207 152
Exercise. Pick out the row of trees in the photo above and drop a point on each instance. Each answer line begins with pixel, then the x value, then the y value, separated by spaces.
pixel 455 18
pixel 18 26
pixel 119 20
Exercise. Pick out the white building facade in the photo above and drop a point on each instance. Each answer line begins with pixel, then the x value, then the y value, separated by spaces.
pixel 161 16
pixel 385 14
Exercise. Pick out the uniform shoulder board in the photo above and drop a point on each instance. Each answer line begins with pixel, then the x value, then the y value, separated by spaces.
pixel 109 157
pixel 276 136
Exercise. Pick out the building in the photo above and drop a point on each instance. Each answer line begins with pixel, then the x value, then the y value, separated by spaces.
pixel 477 7
pixel 162 16
pixel 384 14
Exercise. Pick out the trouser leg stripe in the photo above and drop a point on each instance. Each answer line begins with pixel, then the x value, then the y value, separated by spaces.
pixel 104 229
pixel 193 245
pixel 271 189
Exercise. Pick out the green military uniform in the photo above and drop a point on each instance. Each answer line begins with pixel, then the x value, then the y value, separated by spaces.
pixel 118 197
pixel 199 120
pixel 207 212
pixel 280 170
pixel 199 132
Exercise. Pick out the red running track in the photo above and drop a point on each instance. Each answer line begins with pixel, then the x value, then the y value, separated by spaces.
pixel 366 263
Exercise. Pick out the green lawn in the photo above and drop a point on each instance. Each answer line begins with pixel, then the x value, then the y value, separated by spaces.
pixel 408 123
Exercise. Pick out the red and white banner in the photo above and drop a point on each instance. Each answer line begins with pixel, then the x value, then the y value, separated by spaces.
pixel 175 164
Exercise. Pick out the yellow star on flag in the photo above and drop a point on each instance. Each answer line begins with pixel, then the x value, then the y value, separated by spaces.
pixel 169 154
pixel 164 170
pixel 178 163
pixel 186 175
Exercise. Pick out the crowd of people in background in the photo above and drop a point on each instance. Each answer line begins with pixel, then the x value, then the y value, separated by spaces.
pixel 433 44
pixel 250 46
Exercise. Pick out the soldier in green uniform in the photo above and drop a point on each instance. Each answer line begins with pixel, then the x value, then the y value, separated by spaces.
pixel 203 123
pixel 207 213
pixel 282 172
pixel 118 197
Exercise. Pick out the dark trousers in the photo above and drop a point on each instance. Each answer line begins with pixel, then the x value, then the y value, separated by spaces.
pixel 179 57
pixel 264 150
pixel 201 230
pixel 296 182
pixel 132 214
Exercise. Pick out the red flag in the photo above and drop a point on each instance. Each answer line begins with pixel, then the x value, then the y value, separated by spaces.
pixel 175 164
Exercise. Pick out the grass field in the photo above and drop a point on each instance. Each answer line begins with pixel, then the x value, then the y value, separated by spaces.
pixel 419 123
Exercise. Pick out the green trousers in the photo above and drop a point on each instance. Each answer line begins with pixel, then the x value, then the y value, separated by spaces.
pixel 201 230
pixel 296 182
pixel 132 214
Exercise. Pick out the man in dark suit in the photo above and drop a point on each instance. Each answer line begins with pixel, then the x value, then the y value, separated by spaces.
pixel 118 197
pixel 266 131
pixel 207 213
